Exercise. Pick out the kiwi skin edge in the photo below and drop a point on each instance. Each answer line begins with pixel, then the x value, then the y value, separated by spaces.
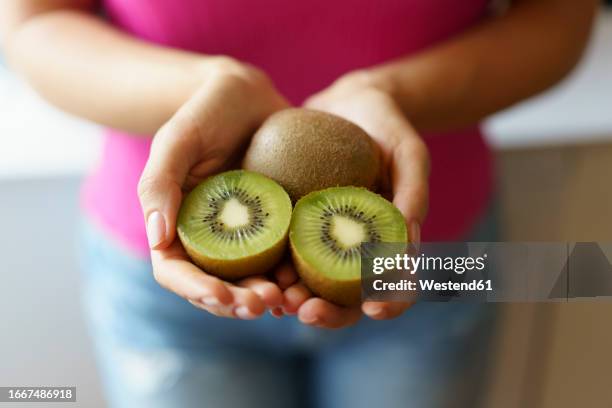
pixel 345 293
pixel 235 269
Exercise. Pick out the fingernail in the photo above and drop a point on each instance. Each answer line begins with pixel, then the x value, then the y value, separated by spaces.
pixel 156 229
pixel 310 320
pixel 277 312
pixel 374 310
pixel 243 312
pixel 415 235
pixel 210 301
pixel 287 311
pixel 225 310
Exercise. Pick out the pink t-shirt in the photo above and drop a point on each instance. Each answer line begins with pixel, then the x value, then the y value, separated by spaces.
pixel 303 46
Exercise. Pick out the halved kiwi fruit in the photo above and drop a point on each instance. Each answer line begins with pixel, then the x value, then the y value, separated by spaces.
pixel 326 232
pixel 235 224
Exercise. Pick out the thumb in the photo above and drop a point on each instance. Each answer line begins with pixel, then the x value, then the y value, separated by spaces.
pixel 410 174
pixel 159 188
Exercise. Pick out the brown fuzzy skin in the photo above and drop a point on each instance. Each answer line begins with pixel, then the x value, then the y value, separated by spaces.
pixel 232 270
pixel 340 292
pixel 306 150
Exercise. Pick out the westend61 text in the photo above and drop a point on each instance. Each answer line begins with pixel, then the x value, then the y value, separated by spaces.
pixel 431 285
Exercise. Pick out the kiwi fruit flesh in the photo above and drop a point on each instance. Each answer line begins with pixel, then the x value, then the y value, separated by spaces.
pixel 235 224
pixel 326 232
pixel 306 150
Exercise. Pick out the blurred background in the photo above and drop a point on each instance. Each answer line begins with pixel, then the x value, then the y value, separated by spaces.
pixel 554 159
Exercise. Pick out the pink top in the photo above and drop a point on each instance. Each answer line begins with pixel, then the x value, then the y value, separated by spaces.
pixel 303 46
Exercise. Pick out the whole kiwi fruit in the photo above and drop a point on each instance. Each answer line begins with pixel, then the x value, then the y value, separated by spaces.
pixel 306 150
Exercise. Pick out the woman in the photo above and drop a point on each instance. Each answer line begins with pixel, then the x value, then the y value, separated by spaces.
pixel 418 75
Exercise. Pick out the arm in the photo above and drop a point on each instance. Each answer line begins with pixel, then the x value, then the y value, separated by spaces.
pixel 86 67
pixel 454 84
pixel 498 63
pixel 208 107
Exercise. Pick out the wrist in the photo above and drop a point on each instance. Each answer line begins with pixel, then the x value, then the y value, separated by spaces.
pixel 247 82
pixel 373 78
pixel 398 85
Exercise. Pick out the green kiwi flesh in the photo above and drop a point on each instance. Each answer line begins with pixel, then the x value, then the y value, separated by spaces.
pixel 326 232
pixel 307 150
pixel 235 224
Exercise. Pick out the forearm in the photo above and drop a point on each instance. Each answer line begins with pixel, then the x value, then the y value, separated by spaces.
pixel 502 61
pixel 86 67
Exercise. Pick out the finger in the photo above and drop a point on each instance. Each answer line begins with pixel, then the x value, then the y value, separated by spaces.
pixel 247 305
pixel 173 271
pixel 385 310
pixel 294 297
pixel 285 275
pixel 219 311
pixel 321 313
pixel 277 312
pixel 185 140
pixel 410 173
pixel 267 291
pixel 159 189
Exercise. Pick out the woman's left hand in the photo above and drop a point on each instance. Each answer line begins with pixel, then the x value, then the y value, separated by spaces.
pixel 404 169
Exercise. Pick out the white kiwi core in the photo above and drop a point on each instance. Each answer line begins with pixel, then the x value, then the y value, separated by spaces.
pixel 347 232
pixel 234 214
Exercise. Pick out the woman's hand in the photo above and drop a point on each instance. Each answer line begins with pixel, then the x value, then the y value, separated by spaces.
pixel 205 136
pixel 405 171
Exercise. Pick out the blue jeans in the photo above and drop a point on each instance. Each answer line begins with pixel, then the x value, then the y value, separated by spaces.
pixel 156 350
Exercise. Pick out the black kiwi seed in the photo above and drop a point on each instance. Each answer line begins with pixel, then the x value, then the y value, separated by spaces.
pixel 254 208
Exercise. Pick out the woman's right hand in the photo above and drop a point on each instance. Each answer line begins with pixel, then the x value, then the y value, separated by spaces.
pixel 205 136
